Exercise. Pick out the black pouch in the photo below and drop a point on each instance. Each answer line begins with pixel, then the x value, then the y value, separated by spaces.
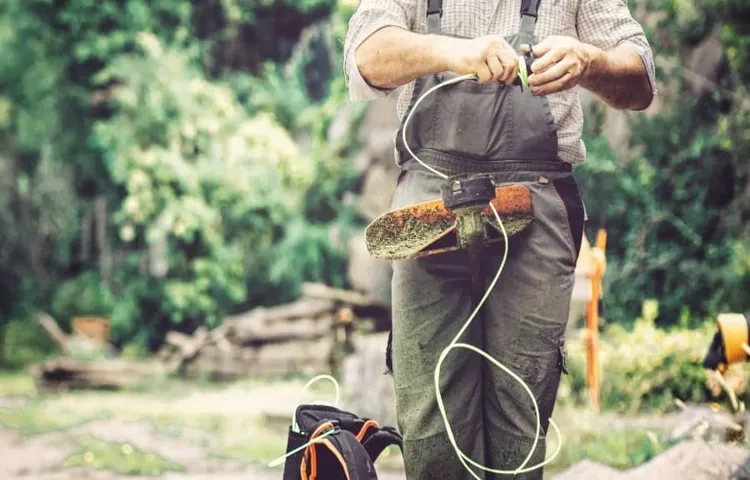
pixel 346 445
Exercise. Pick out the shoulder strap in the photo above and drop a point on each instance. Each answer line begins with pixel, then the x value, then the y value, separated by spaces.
pixel 530 8
pixel 382 439
pixel 529 13
pixel 434 14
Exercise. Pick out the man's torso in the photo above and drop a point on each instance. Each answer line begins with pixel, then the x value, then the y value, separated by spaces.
pixel 474 18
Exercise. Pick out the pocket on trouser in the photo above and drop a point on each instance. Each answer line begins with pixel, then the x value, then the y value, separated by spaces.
pixel 536 354
pixel 574 211
pixel 540 352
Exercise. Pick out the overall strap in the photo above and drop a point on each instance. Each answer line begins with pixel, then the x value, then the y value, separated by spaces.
pixel 529 12
pixel 434 13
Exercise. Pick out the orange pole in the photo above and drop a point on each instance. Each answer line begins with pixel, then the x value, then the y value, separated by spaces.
pixel 592 322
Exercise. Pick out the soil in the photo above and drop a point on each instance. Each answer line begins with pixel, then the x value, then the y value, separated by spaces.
pixel 41 456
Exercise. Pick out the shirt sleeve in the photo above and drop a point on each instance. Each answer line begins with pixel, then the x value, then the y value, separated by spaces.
pixel 371 16
pixel 608 24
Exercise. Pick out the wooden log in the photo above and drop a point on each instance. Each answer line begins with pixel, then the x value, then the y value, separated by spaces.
pixel 180 340
pixel 301 308
pixel 286 331
pixel 363 306
pixel 365 386
pixel 299 350
pixel 188 347
pixel 65 373
pixel 349 297
pixel 308 368
pixel 54 331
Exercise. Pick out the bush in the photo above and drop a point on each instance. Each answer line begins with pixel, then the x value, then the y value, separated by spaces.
pixel 646 368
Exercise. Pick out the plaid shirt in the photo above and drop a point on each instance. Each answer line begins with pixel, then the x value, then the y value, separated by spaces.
pixel 603 23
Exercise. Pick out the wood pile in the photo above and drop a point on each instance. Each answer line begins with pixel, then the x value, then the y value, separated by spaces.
pixel 308 336
pixel 87 360
pixel 65 373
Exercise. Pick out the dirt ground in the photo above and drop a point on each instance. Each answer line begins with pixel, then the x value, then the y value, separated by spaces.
pixel 222 434
pixel 191 432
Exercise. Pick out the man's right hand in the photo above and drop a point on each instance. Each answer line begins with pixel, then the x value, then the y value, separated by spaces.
pixel 490 57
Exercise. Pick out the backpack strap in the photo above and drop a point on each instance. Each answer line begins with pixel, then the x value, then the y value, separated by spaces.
pixel 381 439
pixel 311 453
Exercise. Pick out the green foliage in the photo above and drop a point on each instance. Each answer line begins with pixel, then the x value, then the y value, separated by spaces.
pixel 84 295
pixel 676 214
pixel 621 448
pixel 207 191
pixel 645 368
pixel 124 101
pixel 24 342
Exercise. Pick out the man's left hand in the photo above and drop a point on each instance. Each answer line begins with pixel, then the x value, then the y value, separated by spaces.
pixel 561 62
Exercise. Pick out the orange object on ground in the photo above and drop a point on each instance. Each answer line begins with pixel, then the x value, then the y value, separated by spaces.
pixel 94 328
pixel 591 335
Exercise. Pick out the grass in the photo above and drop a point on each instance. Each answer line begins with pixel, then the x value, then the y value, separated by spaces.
pixel 36 418
pixel 14 384
pixel 120 458
pixel 587 436
pixel 229 425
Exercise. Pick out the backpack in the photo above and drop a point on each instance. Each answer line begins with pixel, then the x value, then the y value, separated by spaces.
pixel 345 446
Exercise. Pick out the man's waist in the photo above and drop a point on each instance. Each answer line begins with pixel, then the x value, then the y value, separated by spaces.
pixel 454 164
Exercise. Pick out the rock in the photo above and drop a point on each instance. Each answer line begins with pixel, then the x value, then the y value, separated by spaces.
pixel 704 64
pixel 617 132
pixel 696 460
pixel 362 162
pixel 377 191
pixel 366 273
pixel 303 139
pixel 367 390
pixel 341 125
pixel 377 129
pixel 588 470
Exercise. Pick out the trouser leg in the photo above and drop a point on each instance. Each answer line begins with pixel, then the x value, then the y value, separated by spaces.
pixel 524 326
pixel 431 302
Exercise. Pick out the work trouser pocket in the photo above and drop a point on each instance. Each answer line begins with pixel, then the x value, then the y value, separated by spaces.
pixel 572 210
pixel 563 357
pixel 540 349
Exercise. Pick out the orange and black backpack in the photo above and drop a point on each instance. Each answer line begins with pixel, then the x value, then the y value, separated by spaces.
pixel 336 445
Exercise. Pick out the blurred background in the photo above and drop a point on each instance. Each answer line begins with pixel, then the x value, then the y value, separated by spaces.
pixel 183 193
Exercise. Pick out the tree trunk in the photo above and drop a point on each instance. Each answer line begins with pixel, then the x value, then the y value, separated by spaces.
pixel 2 345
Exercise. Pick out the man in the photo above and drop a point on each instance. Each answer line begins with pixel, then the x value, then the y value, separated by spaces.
pixel 529 136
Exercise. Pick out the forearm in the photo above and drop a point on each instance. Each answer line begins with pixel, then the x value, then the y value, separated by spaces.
pixel 393 56
pixel 618 77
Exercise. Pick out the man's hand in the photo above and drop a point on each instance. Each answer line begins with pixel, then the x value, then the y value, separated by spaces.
pixel 490 57
pixel 561 63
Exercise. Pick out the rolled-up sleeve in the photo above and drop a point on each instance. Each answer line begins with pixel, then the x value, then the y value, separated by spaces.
pixel 371 16
pixel 608 24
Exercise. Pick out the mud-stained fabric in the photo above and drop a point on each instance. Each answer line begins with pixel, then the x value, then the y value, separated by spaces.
pixel 506 133
pixel 522 325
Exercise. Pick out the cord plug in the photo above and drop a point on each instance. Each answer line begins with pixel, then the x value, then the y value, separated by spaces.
pixel 524 70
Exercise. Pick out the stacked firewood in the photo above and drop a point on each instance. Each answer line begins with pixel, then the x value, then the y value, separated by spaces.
pixel 308 336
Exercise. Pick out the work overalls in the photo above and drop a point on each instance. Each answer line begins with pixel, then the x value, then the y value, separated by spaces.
pixel 506 132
